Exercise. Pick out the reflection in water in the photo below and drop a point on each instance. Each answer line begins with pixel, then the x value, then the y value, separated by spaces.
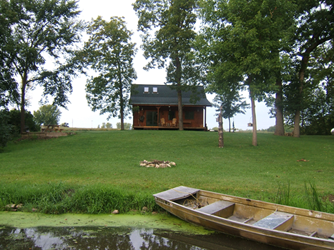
pixel 117 238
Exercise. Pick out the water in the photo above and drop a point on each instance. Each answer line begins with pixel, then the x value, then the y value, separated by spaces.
pixel 118 238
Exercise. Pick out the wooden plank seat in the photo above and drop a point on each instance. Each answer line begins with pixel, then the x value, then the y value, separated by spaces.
pixel 177 193
pixel 219 208
pixel 277 220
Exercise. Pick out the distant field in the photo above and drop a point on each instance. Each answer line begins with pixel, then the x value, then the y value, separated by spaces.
pixel 278 169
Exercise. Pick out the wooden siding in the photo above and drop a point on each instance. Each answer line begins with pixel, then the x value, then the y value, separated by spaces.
pixel 193 114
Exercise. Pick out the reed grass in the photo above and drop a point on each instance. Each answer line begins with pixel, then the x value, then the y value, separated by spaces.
pixel 98 171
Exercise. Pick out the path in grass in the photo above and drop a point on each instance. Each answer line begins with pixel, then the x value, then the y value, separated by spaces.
pixel 111 159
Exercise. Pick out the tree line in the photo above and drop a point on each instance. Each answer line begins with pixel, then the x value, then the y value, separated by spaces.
pixel 281 52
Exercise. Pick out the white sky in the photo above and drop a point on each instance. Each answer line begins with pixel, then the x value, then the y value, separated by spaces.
pixel 80 115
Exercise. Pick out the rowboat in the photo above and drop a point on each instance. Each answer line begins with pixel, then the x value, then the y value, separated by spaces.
pixel 274 224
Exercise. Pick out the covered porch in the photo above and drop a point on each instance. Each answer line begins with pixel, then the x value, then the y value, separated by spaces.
pixel 166 117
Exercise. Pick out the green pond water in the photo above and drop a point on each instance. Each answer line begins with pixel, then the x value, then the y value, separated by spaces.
pixel 135 232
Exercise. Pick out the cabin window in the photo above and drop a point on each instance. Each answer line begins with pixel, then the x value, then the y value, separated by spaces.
pixel 146 89
pixel 171 115
pixel 189 115
pixel 155 90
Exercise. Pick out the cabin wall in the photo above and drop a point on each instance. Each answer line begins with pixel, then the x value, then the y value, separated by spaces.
pixel 143 115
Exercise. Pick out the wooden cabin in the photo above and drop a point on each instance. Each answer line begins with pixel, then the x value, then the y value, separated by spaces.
pixel 155 107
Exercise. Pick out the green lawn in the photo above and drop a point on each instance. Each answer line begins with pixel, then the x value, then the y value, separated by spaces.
pixel 109 160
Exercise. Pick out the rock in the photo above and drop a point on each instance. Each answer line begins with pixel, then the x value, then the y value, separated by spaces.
pixel 157 164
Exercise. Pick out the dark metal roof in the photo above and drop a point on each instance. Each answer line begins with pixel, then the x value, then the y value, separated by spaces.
pixel 166 96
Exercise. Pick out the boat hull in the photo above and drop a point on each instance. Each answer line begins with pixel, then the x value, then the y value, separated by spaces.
pixel 267 236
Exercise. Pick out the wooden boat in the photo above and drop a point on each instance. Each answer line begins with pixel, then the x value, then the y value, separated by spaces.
pixel 269 223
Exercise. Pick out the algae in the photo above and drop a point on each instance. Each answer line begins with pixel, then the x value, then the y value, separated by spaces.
pixel 156 221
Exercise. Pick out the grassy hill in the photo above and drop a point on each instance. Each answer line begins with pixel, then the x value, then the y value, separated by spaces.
pixel 98 171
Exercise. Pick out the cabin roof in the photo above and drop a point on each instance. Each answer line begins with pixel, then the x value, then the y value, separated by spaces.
pixel 164 95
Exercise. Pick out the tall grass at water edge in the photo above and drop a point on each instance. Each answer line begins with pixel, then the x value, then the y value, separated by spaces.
pixel 98 171
pixel 59 198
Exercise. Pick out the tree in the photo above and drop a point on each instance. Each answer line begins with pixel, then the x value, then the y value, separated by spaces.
pixel 110 53
pixel 244 39
pixel 8 86
pixel 314 28
pixel 15 121
pixel 168 27
pixel 47 115
pixel 42 29
pixel 231 103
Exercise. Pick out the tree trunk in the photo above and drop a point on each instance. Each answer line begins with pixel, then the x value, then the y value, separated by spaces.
pixel 220 129
pixel 305 59
pixel 179 106
pixel 179 92
pixel 279 128
pixel 254 141
pixel 23 93
pixel 121 101
pixel 229 124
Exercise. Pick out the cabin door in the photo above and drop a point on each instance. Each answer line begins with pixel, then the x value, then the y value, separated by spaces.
pixel 151 118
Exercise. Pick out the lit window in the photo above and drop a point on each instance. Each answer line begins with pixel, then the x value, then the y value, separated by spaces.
pixel 155 89
pixel 145 89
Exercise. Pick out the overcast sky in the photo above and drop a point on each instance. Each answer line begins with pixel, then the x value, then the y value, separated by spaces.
pixel 80 115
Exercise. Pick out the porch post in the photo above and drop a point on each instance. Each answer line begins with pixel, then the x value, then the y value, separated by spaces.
pixel 205 117
pixel 158 116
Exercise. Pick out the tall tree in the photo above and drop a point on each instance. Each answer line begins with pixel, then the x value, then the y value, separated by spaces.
pixel 8 86
pixel 168 27
pixel 245 35
pixel 110 53
pixel 315 27
pixel 43 29
pixel 47 115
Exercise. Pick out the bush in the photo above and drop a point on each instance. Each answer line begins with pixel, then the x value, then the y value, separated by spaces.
pixel 5 128
pixel 15 121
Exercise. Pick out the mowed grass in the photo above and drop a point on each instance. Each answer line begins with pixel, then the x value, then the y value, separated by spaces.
pixel 109 160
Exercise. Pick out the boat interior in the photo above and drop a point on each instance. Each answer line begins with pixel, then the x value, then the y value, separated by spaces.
pixel 268 216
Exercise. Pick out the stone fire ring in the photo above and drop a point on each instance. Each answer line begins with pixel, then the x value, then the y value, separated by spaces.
pixel 157 164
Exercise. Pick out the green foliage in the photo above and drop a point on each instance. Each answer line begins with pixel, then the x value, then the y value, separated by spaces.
pixel 127 126
pixel 15 121
pixel 60 198
pixel 110 53
pixel 168 42
pixel 47 115
pixel 8 86
pixel 5 128
pixel 41 29
pixel 232 103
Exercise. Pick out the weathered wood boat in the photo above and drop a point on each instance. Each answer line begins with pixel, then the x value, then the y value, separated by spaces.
pixel 269 223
